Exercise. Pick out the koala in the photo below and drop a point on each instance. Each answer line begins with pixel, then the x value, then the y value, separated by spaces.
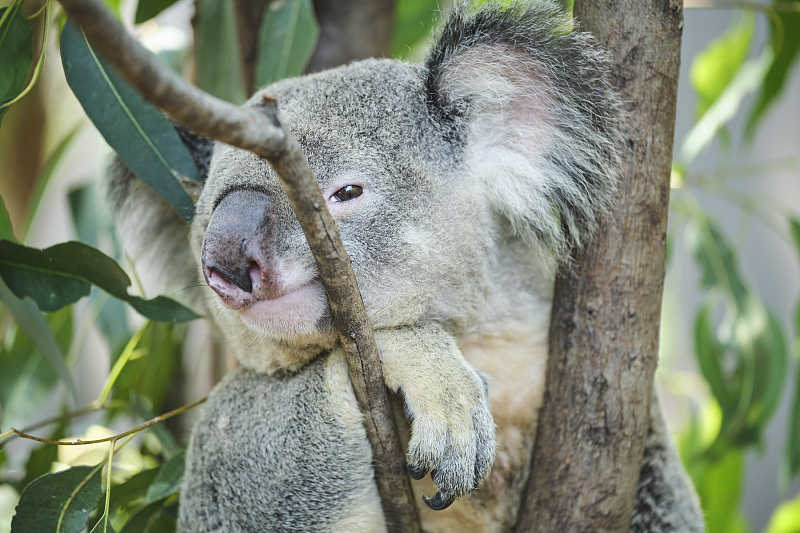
pixel 459 186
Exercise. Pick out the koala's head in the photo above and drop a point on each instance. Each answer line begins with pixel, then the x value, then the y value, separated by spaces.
pixel 457 185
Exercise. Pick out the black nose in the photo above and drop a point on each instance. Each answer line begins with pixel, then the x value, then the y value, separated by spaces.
pixel 234 255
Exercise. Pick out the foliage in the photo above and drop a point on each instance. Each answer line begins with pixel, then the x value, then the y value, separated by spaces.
pixel 740 344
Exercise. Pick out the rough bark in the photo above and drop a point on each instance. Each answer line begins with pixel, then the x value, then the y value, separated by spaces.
pixel 258 130
pixel 606 309
pixel 350 30
pixel 249 14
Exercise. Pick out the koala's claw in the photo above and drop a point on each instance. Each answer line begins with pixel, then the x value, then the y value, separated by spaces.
pixel 417 472
pixel 439 502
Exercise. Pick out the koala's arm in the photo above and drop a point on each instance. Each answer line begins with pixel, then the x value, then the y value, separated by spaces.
pixel 446 401
pixel 665 499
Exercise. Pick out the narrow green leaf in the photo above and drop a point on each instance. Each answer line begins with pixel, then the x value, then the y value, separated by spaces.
pixel 144 139
pixel 147 9
pixel 709 358
pixel 169 478
pixel 52 161
pixel 794 229
pixel 16 51
pixel 6 231
pixel 793 437
pixel 217 61
pixel 36 328
pixel 717 261
pixel 286 40
pixel 59 502
pixel 719 486
pixel 784 27
pixel 61 274
pixel 414 20
pixel 133 492
pixel 715 67
pixel 154 518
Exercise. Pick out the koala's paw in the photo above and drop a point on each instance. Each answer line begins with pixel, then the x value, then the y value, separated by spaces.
pixel 452 435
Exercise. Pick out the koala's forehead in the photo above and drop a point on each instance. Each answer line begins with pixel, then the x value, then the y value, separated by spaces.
pixel 368 116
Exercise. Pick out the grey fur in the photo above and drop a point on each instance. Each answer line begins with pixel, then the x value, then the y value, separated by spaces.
pixel 480 169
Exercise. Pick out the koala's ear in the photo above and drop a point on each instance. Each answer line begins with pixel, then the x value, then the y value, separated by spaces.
pixel 528 98
pixel 153 235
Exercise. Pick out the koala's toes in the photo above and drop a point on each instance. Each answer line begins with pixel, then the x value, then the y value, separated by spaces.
pixel 483 426
pixel 439 501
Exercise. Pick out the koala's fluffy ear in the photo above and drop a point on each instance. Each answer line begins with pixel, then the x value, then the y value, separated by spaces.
pixel 153 235
pixel 529 99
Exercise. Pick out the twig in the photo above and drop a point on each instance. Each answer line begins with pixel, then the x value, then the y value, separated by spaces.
pixel 258 130
pixel 135 429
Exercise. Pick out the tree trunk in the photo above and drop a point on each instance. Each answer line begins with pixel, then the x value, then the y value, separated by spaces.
pixel 606 308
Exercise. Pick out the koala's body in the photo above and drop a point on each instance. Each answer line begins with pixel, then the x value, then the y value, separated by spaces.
pixel 459 186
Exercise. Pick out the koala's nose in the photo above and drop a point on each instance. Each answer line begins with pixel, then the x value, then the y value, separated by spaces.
pixel 235 260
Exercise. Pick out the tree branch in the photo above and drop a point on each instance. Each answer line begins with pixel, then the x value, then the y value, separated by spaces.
pixel 606 309
pixel 258 130
pixel 350 30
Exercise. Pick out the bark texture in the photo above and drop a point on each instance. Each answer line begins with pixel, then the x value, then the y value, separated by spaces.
pixel 606 308
pixel 257 129
pixel 350 30
pixel 249 14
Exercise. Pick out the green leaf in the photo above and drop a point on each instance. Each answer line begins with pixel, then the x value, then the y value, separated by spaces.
pixel 91 223
pixel 719 486
pixel 793 437
pixel 16 51
pixel 6 231
pixel 155 518
pixel 784 25
pixel 59 502
pixel 47 173
pixel 748 79
pixel 144 139
pixel 717 262
pixel 794 229
pixel 144 382
pixel 413 22
pixel 786 518
pixel 217 57
pixel 147 9
pixel 709 358
pixel 29 363
pixel 133 492
pixel 168 481
pixel 715 67
pixel 61 274
pixel 286 40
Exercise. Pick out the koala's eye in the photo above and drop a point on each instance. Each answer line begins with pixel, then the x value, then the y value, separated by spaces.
pixel 348 192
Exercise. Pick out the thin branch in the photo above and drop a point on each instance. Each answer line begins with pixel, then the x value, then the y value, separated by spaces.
pixel 257 129
pixel 135 429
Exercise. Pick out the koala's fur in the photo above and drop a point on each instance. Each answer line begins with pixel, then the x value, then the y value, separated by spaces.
pixel 480 170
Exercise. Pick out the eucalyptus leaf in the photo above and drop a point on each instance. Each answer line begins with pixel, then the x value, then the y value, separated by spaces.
pixel 786 518
pixel 6 231
pixel 142 137
pixel 413 22
pixel 169 478
pixel 59 502
pixel 32 374
pixel 720 488
pixel 715 67
pixel 147 9
pixel 784 27
pixel 154 518
pixel 61 274
pixel 218 65
pixel 793 437
pixel 717 261
pixel 286 40
pixel 709 358
pixel 16 51
pixel 794 229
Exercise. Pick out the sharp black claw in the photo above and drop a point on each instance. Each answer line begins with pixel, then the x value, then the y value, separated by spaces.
pixel 439 502
pixel 417 472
